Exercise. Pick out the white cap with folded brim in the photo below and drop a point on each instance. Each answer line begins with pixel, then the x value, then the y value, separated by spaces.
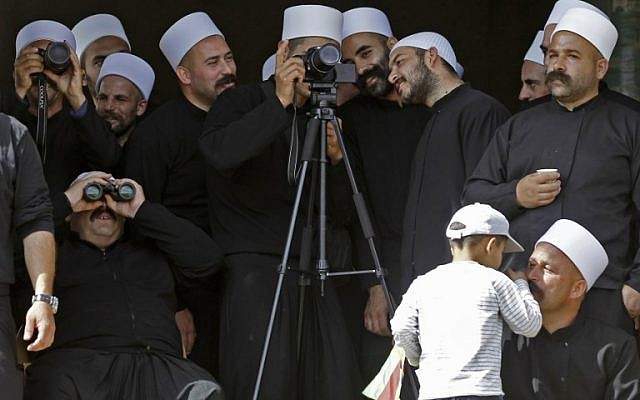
pixel 481 219
pixel 269 67
pixel 427 40
pixel 44 30
pixel 312 20
pixel 365 20
pixel 535 54
pixel 593 27
pixel 582 248
pixel 95 27
pixel 185 34
pixel 562 6
pixel 131 67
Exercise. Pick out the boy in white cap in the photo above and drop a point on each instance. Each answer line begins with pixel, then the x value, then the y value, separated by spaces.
pixel 123 89
pixel 450 321
pixel 573 357
pixel 246 141
pixel 163 156
pixel 573 157
pixel 381 136
pixel 452 144
pixel 98 36
pixel 532 73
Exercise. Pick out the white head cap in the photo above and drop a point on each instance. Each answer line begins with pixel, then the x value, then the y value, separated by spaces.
pixel 269 67
pixel 365 19
pixel 41 30
pixel 582 248
pixel 312 20
pixel 131 67
pixel 185 34
pixel 459 70
pixel 535 54
pixel 95 27
pixel 481 219
pixel 562 6
pixel 427 40
pixel 593 27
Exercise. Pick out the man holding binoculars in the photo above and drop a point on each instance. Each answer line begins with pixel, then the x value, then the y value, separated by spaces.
pixel 117 298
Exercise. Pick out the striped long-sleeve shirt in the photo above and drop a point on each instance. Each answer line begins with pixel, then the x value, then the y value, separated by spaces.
pixel 450 323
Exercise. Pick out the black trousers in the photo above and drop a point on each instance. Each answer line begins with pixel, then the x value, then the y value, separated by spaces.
pixel 606 305
pixel 10 375
pixel 327 367
pixel 101 375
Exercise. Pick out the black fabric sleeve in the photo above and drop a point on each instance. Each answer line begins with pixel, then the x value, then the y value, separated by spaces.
pixel 488 183
pixel 32 210
pixel 237 130
pixel 633 279
pixel 189 249
pixel 61 210
pixel 624 374
pixel 100 145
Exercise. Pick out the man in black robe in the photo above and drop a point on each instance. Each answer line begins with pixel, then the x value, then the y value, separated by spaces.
pixel 116 335
pixel 573 357
pixel 590 144
pixel 461 126
pixel 381 136
pixel 163 155
pixel 246 140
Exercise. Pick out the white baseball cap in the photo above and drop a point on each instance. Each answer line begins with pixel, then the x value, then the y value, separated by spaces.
pixel 481 219
pixel 582 248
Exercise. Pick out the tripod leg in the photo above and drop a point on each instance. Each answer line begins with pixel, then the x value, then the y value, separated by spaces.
pixel 367 229
pixel 281 273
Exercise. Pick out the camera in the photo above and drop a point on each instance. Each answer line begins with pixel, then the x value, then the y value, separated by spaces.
pixel 322 65
pixel 57 57
pixel 95 191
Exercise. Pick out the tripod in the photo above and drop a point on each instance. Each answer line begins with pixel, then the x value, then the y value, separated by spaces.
pixel 323 102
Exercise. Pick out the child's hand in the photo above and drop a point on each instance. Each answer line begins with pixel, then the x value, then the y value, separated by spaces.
pixel 514 275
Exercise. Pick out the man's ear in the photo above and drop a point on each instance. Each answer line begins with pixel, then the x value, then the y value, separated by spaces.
pixel 184 75
pixel 492 244
pixel 391 41
pixel 578 290
pixel 430 57
pixel 141 107
pixel 602 66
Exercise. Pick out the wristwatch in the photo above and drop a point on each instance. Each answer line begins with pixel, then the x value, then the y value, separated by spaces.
pixel 47 298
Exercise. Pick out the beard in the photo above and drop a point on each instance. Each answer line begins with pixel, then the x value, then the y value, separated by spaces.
pixel 568 90
pixel 422 82
pixel 380 85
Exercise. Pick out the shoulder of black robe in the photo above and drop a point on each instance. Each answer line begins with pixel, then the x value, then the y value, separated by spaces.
pixel 100 144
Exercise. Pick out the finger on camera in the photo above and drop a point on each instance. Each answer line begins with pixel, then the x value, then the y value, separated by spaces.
pixel 281 53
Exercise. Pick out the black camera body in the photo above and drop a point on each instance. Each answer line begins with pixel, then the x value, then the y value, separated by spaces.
pixel 57 57
pixel 322 65
pixel 95 191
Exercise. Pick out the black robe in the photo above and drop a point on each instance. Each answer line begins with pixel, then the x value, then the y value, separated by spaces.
pixel 587 360
pixel 381 138
pixel 453 142
pixel 596 148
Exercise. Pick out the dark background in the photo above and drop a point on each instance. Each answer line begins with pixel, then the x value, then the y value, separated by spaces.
pixel 490 37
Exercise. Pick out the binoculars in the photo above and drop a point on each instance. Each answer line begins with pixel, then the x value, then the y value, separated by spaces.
pixel 96 191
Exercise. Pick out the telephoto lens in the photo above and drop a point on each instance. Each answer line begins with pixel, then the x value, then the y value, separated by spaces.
pixel 320 61
pixel 57 57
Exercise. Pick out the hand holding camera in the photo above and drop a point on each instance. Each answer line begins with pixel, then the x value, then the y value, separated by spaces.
pixel 288 72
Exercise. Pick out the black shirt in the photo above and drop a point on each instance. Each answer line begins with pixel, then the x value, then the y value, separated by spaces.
pixel 245 141
pixel 24 199
pixel 381 138
pixel 453 142
pixel 587 360
pixel 596 148
pixel 162 155
pixel 124 296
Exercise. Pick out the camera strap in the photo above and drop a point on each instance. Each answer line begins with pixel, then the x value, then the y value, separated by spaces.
pixel 41 130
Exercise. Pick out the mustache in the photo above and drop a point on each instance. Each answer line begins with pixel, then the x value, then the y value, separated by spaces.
pixel 535 289
pixel 557 76
pixel 99 211
pixel 375 71
pixel 226 79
